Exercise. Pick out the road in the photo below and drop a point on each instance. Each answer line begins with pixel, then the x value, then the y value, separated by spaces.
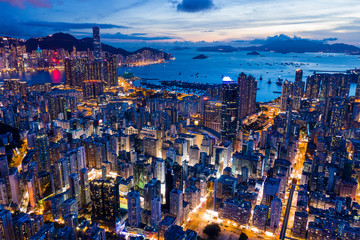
pixel 287 212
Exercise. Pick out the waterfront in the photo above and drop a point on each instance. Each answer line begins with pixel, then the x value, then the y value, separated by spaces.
pixel 269 65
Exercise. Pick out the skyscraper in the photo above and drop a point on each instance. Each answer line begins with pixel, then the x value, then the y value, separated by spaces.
pixel 97 44
pixel 84 188
pixel 6 225
pixel 298 90
pixel 169 185
pixel 286 95
pixel 110 71
pixel 43 148
pixel 105 199
pixel 92 89
pixel 134 209
pixel 94 71
pixel 155 211
pixel 151 189
pixel 212 114
pixel 230 107
pixel 4 177
pixel 247 95
pixel 275 213
pixel 176 205
pixel 74 186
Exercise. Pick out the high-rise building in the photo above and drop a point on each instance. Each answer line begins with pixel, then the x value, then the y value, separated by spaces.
pixel 212 114
pixel 14 180
pixel 151 147
pixel 286 95
pixel 134 209
pixel 237 211
pixel 151 189
pixel 97 44
pixel 74 187
pixel 230 108
pixel 84 188
pixel 95 71
pixel 247 95
pixel 176 205
pixel 275 213
pixel 32 189
pixel 4 177
pixel 110 71
pixel 6 225
pixel 194 155
pixel 300 224
pixel 76 71
pixel 69 207
pixel 105 198
pixel 169 185
pixel 313 84
pixel 92 88
pixel 260 216
pixel 335 113
pixel 160 170
pixel 298 90
pixel 271 190
pixel 155 212
pixel 357 91
pixel 43 149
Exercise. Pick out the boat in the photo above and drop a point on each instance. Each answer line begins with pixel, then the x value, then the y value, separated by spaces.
pixel 276 92
pixel 279 81
pixel 260 78
pixel 269 82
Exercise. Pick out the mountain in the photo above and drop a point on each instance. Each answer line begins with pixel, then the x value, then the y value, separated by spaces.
pixel 301 45
pixel 286 44
pixel 67 42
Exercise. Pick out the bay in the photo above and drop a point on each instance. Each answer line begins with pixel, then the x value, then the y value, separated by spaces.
pixel 269 65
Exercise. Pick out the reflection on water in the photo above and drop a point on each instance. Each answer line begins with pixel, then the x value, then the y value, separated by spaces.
pixel 52 76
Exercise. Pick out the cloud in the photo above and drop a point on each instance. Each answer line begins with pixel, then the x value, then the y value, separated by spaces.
pixel 195 5
pixel 135 36
pixel 65 26
pixel 22 3
pixel 329 40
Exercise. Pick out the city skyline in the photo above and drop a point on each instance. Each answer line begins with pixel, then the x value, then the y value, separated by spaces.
pixel 100 143
pixel 173 21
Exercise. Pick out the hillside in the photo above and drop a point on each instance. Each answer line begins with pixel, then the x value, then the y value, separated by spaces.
pixel 286 44
pixel 67 42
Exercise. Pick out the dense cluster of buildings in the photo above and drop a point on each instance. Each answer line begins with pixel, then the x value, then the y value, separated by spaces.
pixel 86 163
pixel 18 55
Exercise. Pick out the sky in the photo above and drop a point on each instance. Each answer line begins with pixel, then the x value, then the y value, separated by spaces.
pixel 159 21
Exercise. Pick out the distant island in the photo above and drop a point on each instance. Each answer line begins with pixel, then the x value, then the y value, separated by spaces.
pixel 201 56
pixel 180 48
pixel 218 49
pixel 254 53
pixel 286 44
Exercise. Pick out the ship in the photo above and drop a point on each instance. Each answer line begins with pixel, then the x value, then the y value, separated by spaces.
pixel 269 82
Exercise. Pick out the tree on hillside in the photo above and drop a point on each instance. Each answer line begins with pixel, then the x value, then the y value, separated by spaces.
pixel 212 230
pixel 243 236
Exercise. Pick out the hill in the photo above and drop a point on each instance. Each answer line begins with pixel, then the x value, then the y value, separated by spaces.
pixel 300 45
pixel 285 44
pixel 67 42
